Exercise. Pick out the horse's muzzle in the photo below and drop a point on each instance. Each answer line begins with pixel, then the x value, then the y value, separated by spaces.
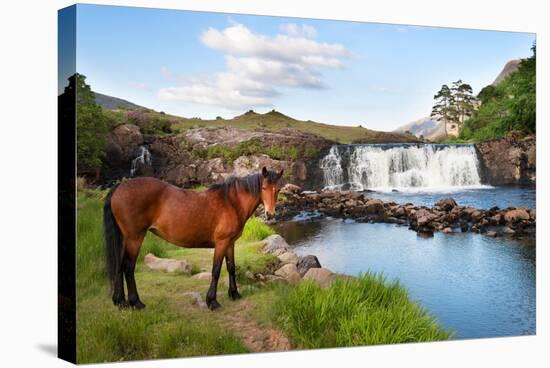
pixel 269 215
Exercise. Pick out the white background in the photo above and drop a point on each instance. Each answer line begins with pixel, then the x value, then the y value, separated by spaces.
pixel 28 187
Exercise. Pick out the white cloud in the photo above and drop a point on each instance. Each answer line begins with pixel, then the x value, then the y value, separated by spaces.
pixel 299 30
pixel 258 64
pixel 239 40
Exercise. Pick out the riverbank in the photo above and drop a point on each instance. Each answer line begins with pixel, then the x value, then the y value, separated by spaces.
pixel 446 215
pixel 175 324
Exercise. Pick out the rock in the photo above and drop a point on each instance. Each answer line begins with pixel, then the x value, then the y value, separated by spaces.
pixel 322 276
pixel 121 147
pixel 509 160
pixel 288 257
pixel 246 165
pixel 446 204
pixel 307 262
pixel 491 233
pixel 476 215
pixel 299 171
pixel 400 212
pixel 274 243
pixel 165 264
pixel 128 138
pixel 202 276
pixel 374 206
pixel 447 230
pixel 289 272
pixel 423 221
pixel 196 298
pixel 249 275
pixel 516 215
pixel 274 279
pixel 291 189
pixel 507 230
pixel 496 219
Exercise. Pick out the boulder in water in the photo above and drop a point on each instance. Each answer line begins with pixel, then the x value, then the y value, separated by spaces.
pixel 275 243
pixel 446 204
pixel 374 206
pixel 307 262
pixel 516 215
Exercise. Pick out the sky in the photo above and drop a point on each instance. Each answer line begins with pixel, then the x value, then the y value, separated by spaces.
pixel 201 64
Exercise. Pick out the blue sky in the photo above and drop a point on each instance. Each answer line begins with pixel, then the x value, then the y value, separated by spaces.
pixel 349 73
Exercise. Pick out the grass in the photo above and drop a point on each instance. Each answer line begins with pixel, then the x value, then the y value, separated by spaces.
pixel 366 311
pixel 254 147
pixel 169 326
pixel 353 312
pixel 256 230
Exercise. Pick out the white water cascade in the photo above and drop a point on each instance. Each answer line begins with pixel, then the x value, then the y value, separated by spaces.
pixel 406 167
pixel 142 159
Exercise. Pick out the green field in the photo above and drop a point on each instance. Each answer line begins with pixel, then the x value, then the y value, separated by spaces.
pixel 364 311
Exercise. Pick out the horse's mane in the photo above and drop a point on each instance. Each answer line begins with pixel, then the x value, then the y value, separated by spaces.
pixel 250 183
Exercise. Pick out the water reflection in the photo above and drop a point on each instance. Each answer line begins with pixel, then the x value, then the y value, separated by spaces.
pixel 479 286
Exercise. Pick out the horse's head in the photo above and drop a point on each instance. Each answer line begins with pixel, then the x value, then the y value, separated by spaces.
pixel 270 187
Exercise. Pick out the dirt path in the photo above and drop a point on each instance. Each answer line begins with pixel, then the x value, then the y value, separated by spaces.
pixel 255 337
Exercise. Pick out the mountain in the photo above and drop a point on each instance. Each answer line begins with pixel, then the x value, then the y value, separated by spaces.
pixel 426 127
pixel 508 69
pixel 110 102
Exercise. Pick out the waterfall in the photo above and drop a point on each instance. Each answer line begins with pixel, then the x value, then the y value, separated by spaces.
pixel 143 158
pixel 402 167
pixel 331 165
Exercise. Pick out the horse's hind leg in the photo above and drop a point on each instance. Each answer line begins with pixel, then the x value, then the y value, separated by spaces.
pixel 128 266
pixel 118 290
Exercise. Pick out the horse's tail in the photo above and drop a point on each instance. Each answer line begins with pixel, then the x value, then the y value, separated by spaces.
pixel 113 239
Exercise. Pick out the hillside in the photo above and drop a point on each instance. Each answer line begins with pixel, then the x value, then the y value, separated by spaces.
pixel 110 102
pixel 158 122
pixel 508 69
pixel 506 105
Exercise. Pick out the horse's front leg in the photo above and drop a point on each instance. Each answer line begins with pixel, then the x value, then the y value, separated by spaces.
pixel 230 263
pixel 219 253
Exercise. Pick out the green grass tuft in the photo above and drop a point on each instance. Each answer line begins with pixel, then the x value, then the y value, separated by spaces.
pixel 353 312
pixel 255 230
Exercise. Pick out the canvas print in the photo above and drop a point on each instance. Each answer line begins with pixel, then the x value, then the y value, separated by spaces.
pixel 254 184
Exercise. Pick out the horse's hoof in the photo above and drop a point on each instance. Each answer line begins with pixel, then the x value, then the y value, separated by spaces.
pixel 213 304
pixel 122 305
pixel 234 295
pixel 137 305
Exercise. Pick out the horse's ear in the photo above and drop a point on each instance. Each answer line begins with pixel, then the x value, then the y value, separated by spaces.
pixel 264 172
pixel 280 174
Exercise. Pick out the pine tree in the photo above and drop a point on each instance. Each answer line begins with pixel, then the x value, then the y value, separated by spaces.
pixel 464 101
pixel 444 108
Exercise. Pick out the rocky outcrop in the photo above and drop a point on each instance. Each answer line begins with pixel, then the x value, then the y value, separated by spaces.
pixel 121 146
pixel 510 160
pixel 446 215
pixel 208 155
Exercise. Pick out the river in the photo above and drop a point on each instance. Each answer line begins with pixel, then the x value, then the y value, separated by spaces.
pixel 477 285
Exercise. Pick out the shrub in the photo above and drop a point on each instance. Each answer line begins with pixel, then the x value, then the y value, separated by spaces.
pixel 363 311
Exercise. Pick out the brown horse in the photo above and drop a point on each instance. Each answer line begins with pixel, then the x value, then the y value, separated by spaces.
pixel 214 218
